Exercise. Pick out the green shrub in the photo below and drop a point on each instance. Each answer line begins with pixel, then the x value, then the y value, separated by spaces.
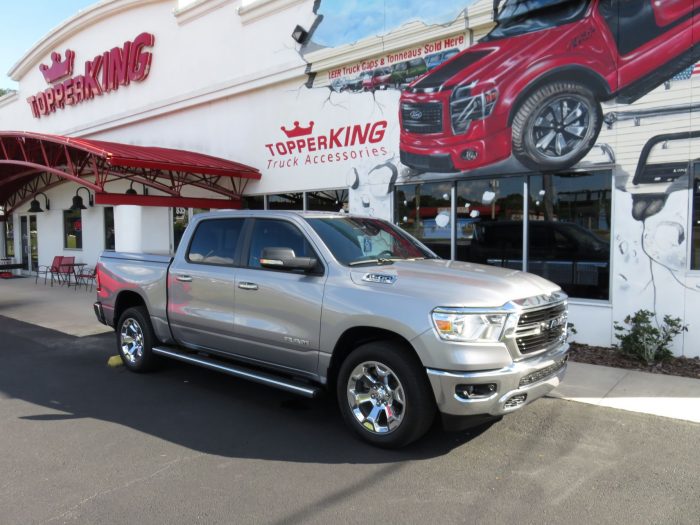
pixel 640 338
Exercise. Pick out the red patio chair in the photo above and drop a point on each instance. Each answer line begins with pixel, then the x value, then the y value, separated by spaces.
pixel 49 270
pixel 87 275
pixel 65 270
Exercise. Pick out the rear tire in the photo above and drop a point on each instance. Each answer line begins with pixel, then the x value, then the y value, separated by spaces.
pixel 384 394
pixel 135 339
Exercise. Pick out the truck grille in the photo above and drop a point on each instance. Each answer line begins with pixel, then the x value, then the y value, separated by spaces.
pixel 540 329
pixel 544 373
pixel 422 118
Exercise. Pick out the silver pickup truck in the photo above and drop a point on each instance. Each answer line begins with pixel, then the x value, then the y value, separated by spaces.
pixel 307 302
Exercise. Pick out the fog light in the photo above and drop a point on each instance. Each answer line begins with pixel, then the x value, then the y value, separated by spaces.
pixel 515 401
pixel 470 154
pixel 480 391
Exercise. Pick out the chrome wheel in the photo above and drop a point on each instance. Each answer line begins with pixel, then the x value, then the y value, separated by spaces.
pixel 561 128
pixel 376 397
pixel 131 340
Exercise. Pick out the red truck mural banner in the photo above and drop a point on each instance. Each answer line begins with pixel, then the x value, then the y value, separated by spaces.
pixel 533 87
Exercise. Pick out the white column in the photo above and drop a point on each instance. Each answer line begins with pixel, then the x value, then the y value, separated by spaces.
pixel 127 228
pixel 139 229
pixel 155 230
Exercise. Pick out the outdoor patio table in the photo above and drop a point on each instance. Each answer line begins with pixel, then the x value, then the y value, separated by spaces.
pixel 74 271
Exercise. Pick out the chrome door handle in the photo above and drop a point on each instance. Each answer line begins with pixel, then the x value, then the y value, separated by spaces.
pixel 248 286
pixel 184 278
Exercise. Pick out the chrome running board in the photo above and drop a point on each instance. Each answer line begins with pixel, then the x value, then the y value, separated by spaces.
pixel 256 376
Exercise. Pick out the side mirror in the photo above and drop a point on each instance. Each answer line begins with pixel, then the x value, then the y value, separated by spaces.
pixel 285 259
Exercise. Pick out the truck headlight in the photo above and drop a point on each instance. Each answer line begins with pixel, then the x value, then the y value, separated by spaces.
pixel 466 106
pixel 453 325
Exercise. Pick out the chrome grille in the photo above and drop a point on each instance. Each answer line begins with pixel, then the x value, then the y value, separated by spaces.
pixel 422 118
pixel 541 328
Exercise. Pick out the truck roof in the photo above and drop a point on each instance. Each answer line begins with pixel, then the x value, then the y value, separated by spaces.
pixel 274 213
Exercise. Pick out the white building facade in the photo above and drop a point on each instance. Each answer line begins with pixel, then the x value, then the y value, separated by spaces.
pixel 320 121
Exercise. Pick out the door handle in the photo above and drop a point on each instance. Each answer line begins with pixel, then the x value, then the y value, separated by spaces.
pixel 184 278
pixel 248 286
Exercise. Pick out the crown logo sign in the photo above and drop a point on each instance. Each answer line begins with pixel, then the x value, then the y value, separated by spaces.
pixel 298 131
pixel 58 69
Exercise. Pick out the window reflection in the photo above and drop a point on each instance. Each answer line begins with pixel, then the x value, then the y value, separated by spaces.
pixel 423 210
pixel 489 221
pixel 327 200
pixel 569 231
pixel 285 201
pixel 695 245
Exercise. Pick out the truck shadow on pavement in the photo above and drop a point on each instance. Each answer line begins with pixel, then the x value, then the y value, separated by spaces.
pixel 65 378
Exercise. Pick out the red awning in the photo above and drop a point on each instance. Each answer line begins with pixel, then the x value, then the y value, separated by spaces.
pixel 32 162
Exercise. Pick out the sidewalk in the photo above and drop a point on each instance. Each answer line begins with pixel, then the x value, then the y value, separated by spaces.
pixel 657 394
pixel 69 311
pixel 59 308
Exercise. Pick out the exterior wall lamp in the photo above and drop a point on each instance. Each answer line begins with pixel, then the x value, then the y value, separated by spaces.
pixel 132 191
pixel 35 207
pixel 78 200
pixel 299 34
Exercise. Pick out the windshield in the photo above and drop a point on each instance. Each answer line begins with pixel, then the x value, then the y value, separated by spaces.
pixel 356 240
pixel 517 17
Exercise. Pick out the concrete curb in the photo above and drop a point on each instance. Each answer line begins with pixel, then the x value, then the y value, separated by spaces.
pixel 660 395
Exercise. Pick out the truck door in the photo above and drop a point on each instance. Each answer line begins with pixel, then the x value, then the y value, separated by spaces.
pixel 278 312
pixel 646 33
pixel 201 286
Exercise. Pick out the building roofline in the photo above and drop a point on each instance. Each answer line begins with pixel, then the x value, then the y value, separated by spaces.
pixel 70 27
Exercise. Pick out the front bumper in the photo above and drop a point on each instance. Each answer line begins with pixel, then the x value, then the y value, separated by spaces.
pixel 517 384
pixel 445 153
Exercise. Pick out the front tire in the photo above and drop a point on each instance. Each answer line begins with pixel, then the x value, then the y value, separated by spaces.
pixel 135 339
pixel 556 126
pixel 384 394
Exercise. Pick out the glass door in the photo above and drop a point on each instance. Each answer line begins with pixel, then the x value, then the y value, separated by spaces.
pixel 33 243
pixel 24 232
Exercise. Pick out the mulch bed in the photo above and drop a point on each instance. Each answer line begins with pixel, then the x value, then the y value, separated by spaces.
pixel 598 355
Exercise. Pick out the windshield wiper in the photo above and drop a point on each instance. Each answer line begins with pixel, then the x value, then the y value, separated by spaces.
pixel 380 261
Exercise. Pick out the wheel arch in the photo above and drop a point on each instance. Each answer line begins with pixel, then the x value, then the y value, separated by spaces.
pixel 355 337
pixel 589 78
pixel 126 299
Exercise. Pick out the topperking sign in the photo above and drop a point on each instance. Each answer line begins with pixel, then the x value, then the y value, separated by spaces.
pixel 106 72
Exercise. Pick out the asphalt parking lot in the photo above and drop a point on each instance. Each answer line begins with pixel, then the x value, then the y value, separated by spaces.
pixel 81 442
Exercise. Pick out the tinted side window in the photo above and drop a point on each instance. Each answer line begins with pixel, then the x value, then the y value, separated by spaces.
pixel 270 233
pixel 215 241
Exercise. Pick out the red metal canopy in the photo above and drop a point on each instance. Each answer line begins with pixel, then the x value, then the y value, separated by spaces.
pixel 33 162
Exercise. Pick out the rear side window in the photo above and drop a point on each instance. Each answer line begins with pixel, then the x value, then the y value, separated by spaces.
pixel 215 242
pixel 271 233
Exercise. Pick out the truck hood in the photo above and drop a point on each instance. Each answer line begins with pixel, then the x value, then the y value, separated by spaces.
pixel 452 283
pixel 486 61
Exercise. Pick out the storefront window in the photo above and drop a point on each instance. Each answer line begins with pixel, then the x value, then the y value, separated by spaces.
pixel 569 231
pixel 109 228
pixel 253 202
pixel 695 245
pixel 489 221
pixel 72 230
pixel 327 200
pixel 180 220
pixel 285 201
pixel 423 210
pixel 10 236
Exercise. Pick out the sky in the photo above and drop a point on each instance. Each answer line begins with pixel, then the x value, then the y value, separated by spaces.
pixel 347 21
pixel 25 22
